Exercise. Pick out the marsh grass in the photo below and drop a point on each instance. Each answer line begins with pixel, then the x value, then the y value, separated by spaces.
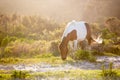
pixel 14 75
pixel 109 74
pixel 41 58
pixel 84 55
pixel 76 74
pixel 19 75
pixel 5 76
pixel 10 60
pixel 55 75
pixel 68 75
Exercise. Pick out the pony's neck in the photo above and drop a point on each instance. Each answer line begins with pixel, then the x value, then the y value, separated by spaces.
pixel 65 41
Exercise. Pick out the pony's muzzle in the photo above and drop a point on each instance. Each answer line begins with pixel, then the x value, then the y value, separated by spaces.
pixel 63 58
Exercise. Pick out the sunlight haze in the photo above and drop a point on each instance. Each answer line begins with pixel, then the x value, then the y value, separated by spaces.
pixel 62 10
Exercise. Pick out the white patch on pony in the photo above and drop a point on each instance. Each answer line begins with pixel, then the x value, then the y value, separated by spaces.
pixel 79 27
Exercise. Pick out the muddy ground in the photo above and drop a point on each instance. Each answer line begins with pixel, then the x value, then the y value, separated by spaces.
pixel 44 67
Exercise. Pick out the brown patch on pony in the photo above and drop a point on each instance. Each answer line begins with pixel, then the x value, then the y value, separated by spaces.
pixel 89 38
pixel 63 46
pixel 72 35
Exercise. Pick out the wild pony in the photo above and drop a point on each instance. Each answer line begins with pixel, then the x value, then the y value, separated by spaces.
pixel 76 32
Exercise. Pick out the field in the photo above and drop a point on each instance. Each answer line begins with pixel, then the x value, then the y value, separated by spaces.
pixel 29 40
pixel 50 67
pixel 31 52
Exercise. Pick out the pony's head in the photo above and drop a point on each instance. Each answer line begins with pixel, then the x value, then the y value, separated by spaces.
pixel 63 50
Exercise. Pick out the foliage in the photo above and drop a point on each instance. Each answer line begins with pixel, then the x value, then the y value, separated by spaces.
pixel 71 74
pixel 55 75
pixel 19 75
pixel 38 58
pixel 110 35
pixel 113 25
pixel 5 76
pixel 109 74
pixel 2 36
pixel 113 29
pixel 84 55
pixel 32 27
pixel 106 34
pixel 54 48
pixel 45 55
pixel 28 35
pixel 95 28
pixel 10 60
pixel 31 35
pixel 24 47
pixel 5 41
pixel 115 49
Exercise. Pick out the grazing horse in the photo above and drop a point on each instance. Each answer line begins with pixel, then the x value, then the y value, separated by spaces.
pixel 76 32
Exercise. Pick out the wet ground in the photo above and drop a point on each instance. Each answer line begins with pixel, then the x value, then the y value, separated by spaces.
pixel 44 67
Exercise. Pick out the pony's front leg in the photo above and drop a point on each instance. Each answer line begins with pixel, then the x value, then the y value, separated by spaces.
pixel 75 45
pixel 71 45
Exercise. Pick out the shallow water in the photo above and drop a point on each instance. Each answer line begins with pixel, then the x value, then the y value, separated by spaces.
pixel 44 67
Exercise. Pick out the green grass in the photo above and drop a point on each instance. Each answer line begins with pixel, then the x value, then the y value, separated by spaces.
pixel 76 74
pixel 13 75
pixel 84 55
pixel 47 58
pixel 10 60
pixel 70 74
pixel 109 54
pixel 109 73
pixel 5 76
pixel 50 59
pixel 20 75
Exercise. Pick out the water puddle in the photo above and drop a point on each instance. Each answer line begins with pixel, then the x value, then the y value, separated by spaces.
pixel 45 67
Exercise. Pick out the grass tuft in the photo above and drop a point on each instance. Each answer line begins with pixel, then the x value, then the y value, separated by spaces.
pixel 16 75
pixel 109 74
pixel 84 55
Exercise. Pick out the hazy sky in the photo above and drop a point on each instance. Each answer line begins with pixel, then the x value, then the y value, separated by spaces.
pixel 61 10
pixel 49 8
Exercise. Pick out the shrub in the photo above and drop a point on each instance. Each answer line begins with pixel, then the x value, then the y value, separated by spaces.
pixel 95 28
pixel 106 34
pixel 9 60
pixel 5 41
pixel 54 48
pixel 84 55
pixel 17 48
pixel 25 47
pixel 45 55
pixel 19 75
pixel 97 49
pixel 113 24
pixel 8 51
pixel 108 74
pixel 115 49
pixel 2 35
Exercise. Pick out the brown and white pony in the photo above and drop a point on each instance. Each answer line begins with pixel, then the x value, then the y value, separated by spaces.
pixel 76 32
